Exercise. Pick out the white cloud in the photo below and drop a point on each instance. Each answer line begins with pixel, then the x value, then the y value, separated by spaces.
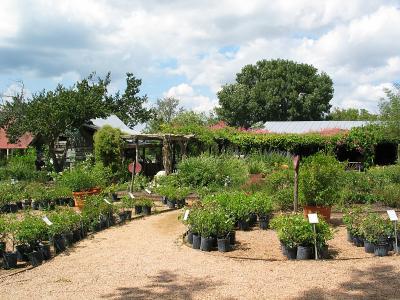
pixel 190 99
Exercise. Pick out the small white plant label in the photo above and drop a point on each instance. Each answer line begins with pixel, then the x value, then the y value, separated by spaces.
pixel 313 218
pixel 147 191
pixel 106 201
pixel 47 221
pixel 186 216
pixel 131 195
pixel 392 215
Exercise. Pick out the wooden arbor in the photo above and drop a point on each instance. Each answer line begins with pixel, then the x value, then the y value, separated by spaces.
pixel 167 142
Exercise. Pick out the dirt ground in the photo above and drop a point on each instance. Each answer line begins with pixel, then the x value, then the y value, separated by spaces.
pixel 146 259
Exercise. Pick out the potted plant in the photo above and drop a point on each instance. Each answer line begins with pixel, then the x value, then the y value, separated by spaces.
pixel 82 183
pixel 263 208
pixel 128 204
pixel 3 229
pixel 223 226
pixel 10 257
pixel 206 228
pixel 320 182
pixel 376 231
pixel 324 234
pixel 353 218
pixel 193 223
pixel 146 204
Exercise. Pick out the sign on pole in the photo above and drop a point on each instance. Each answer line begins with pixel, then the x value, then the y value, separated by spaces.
pixel 47 221
pixel 186 216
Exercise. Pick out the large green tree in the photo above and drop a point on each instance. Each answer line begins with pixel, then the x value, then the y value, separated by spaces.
pixel 275 90
pixel 165 110
pixel 390 111
pixel 351 114
pixel 63 111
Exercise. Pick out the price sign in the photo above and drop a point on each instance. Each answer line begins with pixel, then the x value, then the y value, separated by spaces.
pixel 131 195
pixel 392 215
pixel 106 201
pixel 313 218
pixel 47 221
pixel 186 216
pixel 147 191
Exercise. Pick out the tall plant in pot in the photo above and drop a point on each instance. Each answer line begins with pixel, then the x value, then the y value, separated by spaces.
pixel 224 224
pixel 320 180
pixel 352 218
pixel 376 231
pixel 263 208
pixel 10 229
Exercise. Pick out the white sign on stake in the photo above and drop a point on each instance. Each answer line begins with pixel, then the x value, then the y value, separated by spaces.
pixel 313 218
pixel 47 221
pixel 131 195
pixel 148 191
pixel 392 215
pixel 105 200
pixel 186 216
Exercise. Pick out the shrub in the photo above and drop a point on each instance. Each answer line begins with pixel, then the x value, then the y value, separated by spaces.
pixel 280 185
pixel 266 163
pixel 357 188
pixel 262 204
pixel 320 180
pixel 144 202
pixel 207 170
pixel 373 227
pixel 353 218
pixel 31 230
pixel 80 179
pixel 388 194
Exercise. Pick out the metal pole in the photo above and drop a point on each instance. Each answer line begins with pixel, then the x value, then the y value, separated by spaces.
pixel 315 242
pixel 395 237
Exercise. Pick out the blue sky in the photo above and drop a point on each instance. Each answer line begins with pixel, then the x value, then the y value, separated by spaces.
pixel 189 49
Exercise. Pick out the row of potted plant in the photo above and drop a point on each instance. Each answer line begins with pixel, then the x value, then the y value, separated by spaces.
pixel 297 236
pixel 369 230
pixel 29 237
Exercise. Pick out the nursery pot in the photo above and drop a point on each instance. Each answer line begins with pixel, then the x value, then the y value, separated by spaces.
pixel 164 200
pixel 206 243
pixel 252 219
pixel 59 243
pixel 323 211
pixel 180 203
pixel 26 204
pixel 71 202
pixel 79 197
pixel 171 203
pixel 13 208
pixel 9 260
pixel 323 252
pixel 35 205
pixel 19 204
pixel 45 250
pixel 189 237
pixel 69 238
pixel 128 214
pixel 243 225
pixel 390 244
pixel 2 248
pixel 264 222
pixel 232 237
pixel 122 216
pixel 76 235
pixel 369 247
pixel 22 252
pixel 304 252
pixel 223 245
pixel 146 210
pixel 196 241
pixel 114 197
pixel 35 258
pixel 138 209
pixel 358 241
pixel 381 249
pixel 289 252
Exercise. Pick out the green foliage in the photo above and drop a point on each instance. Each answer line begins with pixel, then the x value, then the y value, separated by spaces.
pixel 353 218
pixel 389 194
pixel 266 162
pixel 294 230
pixel 140 182
pixel 128 202
pixel 275 90
pixel 373 227
pixel 108 147
pixel 390 111
pixel 144 202
pixel 357 188
pixel 81 178
pixel 351 114
pixel 280 185
pixel 31 230
pixel 320 180
pixel 165 111
pixel 262 204
pixel 207 170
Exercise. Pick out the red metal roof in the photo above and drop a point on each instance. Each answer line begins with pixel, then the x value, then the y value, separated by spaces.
pixel 23 142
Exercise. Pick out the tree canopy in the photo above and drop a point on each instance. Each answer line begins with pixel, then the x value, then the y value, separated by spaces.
pixel 166 109
pixel 390 111
pixel 351 114
pixel 275 90
pixel 63 111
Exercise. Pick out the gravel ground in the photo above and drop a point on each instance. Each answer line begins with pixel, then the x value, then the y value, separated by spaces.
pixel 147 260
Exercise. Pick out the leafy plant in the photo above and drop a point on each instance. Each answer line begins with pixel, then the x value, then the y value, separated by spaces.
pixel 373 228
pixel 79 179
pixel 31 230
pixel 353 218
pixel 262 204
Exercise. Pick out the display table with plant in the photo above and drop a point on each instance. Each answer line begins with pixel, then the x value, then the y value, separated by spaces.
pixel 320 181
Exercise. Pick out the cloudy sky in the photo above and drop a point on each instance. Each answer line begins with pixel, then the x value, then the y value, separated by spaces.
pixel 188 49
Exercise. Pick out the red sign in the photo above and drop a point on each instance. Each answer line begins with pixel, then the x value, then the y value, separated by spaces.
pixel 138 167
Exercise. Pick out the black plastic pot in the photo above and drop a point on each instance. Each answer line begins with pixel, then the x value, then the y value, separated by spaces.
pixel 243 225
pixel 189 237
pixel 369 247
pixel 5 208
pixel 69 238
pixel 128 214
pixel 71 202
pixel 206 243
pixel 122 217
pixel 232 237
pixel 381 249
pixel 180 203
pixel 252 219
pixel 2 248
pixel 76 235
pixel 114 197
pixel 358 241
pixel 304 252
pixel 171 203
pixel 196 241
pixel 322 252
pixel 146 210
pixel 35 258
pixel 164 200
pixel 19 204
pixel 9 260
pixel 45 250
pixel 138 210
pixel 390 244
pixel 264 222
pixel 59 243
pixel 223 245
pixel 52 205
pixel 289 252
pixel 26 204
pixel 22 252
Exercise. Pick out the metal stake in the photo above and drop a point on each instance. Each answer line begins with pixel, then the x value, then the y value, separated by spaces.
pixel 315 242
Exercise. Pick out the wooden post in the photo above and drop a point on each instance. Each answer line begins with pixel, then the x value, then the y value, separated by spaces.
pixel 134 164
pixel 167 155
pixel 296 162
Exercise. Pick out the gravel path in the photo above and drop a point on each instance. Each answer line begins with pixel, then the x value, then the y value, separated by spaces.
pixel 147 260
